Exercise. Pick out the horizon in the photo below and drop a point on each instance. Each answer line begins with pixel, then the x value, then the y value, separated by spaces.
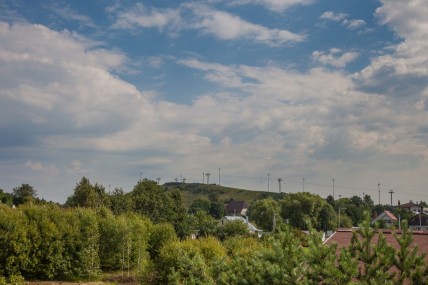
pixel 294 89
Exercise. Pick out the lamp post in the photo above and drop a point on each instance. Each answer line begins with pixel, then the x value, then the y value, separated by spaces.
pixel 338 226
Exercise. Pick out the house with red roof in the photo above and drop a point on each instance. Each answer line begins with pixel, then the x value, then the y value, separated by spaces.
pixel 387 218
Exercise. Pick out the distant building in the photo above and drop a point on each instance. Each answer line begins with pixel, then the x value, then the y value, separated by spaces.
pixel 251 228
pixel 343 239
pixel 236 208
pixel 415 208
pixel 419 222
pixel 387 217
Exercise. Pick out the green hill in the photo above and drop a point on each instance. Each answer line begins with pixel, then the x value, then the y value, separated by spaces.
pixel 192 191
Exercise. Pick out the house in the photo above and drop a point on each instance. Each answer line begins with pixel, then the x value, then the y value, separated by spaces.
pixel 419 222
pixel 237 208
pixel 415 208
pixel 385 217
pixel 343 238
pixel 251 228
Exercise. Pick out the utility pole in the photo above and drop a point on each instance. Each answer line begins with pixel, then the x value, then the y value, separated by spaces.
pixel 391 192
pixel 333 188
pixel 279 184
pixel 208 177
pixel 378 191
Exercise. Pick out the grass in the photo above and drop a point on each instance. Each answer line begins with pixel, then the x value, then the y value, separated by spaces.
pixel 193 191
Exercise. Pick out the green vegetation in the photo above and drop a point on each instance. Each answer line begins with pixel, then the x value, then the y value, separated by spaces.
pixel 145 235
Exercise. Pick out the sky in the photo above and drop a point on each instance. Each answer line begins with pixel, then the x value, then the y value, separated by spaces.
pixel 317 93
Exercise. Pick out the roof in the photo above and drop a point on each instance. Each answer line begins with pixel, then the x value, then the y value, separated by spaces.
pixel 251 227
pixel 391 216
pixel 419 220
pixel 343 239
pixel 408 205
pixel 385 214
pixel 236 206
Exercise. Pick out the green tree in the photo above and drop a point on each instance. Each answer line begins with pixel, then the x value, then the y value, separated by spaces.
pixel 182 262
pixel 375 257
pixel 6 198
pixel 14 243
pixel 409 262
pixel 120 202
pixel 333 269
pixel 217 210
pixel 232 228
pixel 264 212
pixel 200 204
pixel 88 195
pixel 160 235
pixel 23 194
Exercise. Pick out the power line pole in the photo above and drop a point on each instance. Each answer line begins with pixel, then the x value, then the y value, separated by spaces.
pixel 333 187
pixel 391 192
pixel 279 183
pixel 208 177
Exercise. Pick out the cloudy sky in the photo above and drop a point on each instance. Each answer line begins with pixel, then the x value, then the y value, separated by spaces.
pixel 116 90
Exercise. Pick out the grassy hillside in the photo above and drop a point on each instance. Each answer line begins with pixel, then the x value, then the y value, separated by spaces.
pixel 192 191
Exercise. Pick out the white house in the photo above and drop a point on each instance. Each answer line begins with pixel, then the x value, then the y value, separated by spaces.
pixel 387 217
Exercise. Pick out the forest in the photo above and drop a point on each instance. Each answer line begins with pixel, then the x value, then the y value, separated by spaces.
pixel 144 235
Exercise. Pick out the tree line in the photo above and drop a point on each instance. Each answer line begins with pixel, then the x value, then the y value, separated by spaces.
pixel 144 234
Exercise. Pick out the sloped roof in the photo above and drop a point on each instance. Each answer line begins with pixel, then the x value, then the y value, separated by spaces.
pixel 419 219
pixel 236 206
pixel 408 205
pixel 251 227
pixel 383 214
pixel 391 216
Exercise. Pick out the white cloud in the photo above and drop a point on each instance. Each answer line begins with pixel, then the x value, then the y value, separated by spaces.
pixel 40 167
pixel 342 17
pixel 142 17
pixel 226 26
pixel 273 5
pixel 330 15
pixel 222 25
pixel 353 24
pixel 335 57
pixel 404 72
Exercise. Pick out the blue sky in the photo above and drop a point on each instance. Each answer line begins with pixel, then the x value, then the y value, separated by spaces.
pixel 118 90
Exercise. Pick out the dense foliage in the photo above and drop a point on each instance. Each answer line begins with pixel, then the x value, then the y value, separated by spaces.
pixel 145 234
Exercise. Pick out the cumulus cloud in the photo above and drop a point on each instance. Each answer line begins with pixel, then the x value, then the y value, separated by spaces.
pixel 335 57
pixel 404 72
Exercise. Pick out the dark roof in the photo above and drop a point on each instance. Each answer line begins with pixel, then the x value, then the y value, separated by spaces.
pixel 343 239
pixel 408 205
pixel 415 221
pixel 236 207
